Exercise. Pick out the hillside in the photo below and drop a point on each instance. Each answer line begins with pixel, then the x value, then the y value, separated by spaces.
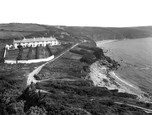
pixel 18 30
pixel 97 33
pixel 68 84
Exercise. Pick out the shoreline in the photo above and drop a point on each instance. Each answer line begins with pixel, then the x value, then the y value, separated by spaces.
pixel 124 86
pixel 102 78
pixel 112 73
pixel 129 88
pixel 99 43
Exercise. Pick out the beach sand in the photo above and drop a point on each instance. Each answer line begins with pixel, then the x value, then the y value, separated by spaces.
pixel 111 80
pixel 129 88
pixel 99 43
pixel 97 76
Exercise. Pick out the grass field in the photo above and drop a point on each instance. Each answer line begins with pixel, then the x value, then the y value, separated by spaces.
pixel 21 27
pixel 43 53
pixel 72 34
pixel 70 91
pixel 66 67
pixel 17 31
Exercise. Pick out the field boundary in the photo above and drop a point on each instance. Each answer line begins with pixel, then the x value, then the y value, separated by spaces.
pixel 29 61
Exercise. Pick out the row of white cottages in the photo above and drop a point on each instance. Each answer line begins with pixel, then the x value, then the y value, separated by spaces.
pixel 43 41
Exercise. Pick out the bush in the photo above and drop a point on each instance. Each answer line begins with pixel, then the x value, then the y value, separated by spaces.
pixel 19 57
pixel 2 60
pixel 2 52
pixel 49 49
pixel 88 58
pixel 36 111
pixel 63 50
pixel 37 52
pixel 126 95
pixel 29 55
pixel 98 53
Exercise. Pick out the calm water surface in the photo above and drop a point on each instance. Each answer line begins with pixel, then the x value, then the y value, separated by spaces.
pixel 135 57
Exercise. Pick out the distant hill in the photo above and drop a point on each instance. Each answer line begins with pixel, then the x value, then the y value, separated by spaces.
pixel 100 33
pixel 18 30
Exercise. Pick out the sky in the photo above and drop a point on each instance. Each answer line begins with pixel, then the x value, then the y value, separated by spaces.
pixel 102 13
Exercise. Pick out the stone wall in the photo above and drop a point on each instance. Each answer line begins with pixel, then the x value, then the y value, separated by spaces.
pixel 30 61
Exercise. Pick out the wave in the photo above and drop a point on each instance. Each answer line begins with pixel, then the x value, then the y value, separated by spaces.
pixel 102 77
pixel 112 73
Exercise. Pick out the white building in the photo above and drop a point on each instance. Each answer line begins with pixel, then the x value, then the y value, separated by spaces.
pixel 36 41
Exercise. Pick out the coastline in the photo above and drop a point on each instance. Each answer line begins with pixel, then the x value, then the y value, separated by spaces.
pixel 112 73
pixel 129 88
pixel 104 42
pixel 103 78
pixel 123 85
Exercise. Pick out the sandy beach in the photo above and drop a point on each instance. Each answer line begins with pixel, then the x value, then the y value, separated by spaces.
pixel 129 88
pixel 99 43
pixel 98 77
pixel 112 73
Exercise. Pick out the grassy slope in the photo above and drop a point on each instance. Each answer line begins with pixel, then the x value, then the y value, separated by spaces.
pixel 69 91
pixel 69 85
pixel 14 30
pixel 97 33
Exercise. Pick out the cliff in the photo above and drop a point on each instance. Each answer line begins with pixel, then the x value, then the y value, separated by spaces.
pixel 75 83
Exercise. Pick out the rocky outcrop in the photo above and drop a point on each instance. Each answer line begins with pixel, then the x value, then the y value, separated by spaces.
pixel 100 77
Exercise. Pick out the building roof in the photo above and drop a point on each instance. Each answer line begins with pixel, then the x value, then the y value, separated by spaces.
pixel 40 39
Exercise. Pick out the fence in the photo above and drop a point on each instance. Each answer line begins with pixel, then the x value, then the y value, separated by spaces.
pixel 29 61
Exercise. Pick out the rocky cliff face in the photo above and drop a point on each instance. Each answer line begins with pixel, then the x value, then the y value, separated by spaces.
pixel 101 77
pixel 99 74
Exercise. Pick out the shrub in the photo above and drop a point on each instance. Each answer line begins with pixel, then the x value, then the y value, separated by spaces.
pixel 37 52
pixel 36 111
pixel 19 57
pixel 49 49
pixel 29 55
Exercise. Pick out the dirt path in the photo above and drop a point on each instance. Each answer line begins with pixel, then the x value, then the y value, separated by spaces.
pixel 145 109
pixel 38 69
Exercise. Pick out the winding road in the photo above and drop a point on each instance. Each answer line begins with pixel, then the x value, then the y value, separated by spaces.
pixel 38 69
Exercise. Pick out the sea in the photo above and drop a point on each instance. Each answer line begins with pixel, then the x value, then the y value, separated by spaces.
pixel 135 57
